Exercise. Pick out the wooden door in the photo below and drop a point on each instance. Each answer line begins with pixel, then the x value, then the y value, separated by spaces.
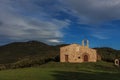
pixel 66 58
pixel 86 58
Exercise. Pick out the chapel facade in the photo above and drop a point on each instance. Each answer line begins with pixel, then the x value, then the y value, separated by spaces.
pixel 75 53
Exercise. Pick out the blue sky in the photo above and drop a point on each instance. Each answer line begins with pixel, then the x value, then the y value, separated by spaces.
pixel 61 21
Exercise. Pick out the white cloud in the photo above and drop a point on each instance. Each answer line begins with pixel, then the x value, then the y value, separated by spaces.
pixel 33 19
pixel 100 36
pixel 95 11
pixel 54 41
pixel 27 20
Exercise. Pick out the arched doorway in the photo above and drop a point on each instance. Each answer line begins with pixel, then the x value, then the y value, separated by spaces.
pixel 85 58
pixel 117 62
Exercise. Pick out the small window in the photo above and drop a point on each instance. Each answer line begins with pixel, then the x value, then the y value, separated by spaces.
pixel 78 57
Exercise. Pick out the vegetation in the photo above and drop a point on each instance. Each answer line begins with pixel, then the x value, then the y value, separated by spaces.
pixel 27 54
pixel 34 53
pixel 43 63
pixel 19 50
pixel 108 54
pixel 64 71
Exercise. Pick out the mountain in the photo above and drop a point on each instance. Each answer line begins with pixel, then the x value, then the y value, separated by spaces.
pixel 108 54
pixel 14 51
pixel 35 52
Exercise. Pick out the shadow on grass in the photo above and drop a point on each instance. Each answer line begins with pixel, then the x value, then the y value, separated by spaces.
pixel 66 75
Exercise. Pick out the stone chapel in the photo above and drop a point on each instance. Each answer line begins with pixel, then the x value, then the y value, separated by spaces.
pixel 75 53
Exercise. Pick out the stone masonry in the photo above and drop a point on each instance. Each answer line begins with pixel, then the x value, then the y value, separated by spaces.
pixel 76 53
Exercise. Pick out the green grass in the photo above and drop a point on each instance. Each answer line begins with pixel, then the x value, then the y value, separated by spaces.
pixel 64 71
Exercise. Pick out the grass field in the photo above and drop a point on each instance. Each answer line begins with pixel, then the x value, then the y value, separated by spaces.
pixel 64 71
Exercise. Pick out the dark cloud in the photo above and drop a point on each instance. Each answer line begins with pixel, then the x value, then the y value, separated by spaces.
pixel 1 23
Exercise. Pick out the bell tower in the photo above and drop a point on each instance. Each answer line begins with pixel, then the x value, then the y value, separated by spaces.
pixel 85 43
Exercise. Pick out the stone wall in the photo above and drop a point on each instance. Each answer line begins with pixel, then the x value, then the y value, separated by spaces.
pixel 76 53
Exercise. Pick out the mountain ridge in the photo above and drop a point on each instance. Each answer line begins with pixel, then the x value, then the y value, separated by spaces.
pixel 12 52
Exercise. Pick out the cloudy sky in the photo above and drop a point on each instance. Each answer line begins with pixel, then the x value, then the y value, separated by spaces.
pixel 61 21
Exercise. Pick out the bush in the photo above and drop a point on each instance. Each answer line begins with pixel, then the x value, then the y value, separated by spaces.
pixel 108 54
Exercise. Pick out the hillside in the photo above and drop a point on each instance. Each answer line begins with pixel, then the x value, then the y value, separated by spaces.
pixel 31 53
pixel 14 51
pixel 64 71
pixel 108 54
